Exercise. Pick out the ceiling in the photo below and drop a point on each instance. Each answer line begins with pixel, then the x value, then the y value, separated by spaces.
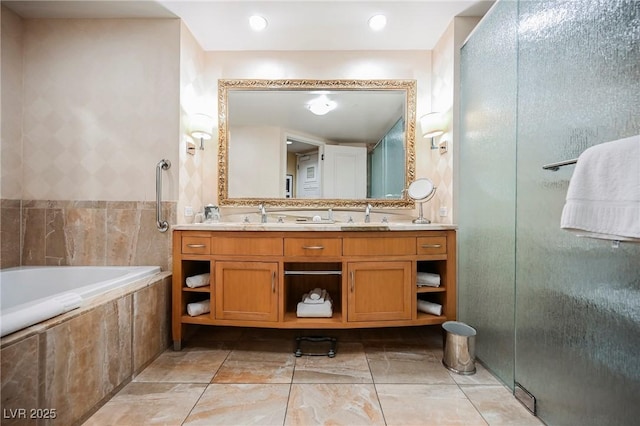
pixel 292 25
pixel 361 116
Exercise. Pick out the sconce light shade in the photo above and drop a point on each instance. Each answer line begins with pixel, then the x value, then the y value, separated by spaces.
pixel 201 127
pixel 432 124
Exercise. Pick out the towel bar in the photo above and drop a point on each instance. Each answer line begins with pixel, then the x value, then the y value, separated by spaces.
pixel 556 166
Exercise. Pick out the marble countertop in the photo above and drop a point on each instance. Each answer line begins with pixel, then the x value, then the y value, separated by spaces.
pixel 313 226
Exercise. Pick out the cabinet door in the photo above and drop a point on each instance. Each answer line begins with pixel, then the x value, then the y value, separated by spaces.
pixel 247 291
pixel 379 291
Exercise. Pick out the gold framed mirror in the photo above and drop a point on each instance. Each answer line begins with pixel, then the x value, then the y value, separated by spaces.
pixel 316 143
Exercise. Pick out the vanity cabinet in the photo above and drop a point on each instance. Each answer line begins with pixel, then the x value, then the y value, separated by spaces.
pixel 258 277
pixel 379 291
pixel 246 291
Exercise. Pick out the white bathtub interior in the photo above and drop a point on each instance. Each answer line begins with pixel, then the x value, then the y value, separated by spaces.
pixel 29 295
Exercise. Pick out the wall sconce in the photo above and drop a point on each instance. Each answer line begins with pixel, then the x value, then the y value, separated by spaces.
pixel 201 127
pixel 432 125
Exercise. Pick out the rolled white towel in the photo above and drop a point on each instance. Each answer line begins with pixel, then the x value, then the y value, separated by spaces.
pixel 198 308
pixel 307 299
pixel 318 310
pixel 198 280
pixel 315 294
pixel 429 307
pixel 428 279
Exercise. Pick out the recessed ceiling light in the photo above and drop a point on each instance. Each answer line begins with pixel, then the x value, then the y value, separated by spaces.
pixel 257 23
pixel 377 22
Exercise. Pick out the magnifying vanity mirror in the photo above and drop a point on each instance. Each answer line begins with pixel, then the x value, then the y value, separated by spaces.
pixel 421 191
pixel 316 143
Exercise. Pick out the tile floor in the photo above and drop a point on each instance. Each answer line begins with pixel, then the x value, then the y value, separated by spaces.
pixel 248 376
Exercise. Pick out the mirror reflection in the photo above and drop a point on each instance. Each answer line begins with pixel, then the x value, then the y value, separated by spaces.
pixel 306 143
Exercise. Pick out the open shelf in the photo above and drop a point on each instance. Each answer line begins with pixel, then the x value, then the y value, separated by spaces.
pixel 430 289
pixel 431 319
pixel 203 289
pixel 291 317
pixel 200 319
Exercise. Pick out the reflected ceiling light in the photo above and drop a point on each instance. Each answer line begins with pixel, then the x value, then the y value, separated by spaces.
pixel 321 105
pixel 257 23
pixel 377 22
pixel 432 125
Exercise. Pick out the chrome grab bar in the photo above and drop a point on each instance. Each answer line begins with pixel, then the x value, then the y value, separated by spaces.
pixel 162 225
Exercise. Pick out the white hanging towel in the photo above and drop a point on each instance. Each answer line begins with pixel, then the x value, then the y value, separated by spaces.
pixel 603 199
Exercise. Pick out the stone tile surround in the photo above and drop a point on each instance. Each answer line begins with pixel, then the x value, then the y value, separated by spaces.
pixel 80 233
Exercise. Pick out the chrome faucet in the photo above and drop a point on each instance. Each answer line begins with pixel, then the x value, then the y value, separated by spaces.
pixel 263 213
pixel 367 214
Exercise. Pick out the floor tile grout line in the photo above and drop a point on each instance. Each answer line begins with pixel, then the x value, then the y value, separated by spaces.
pixel 206 387
pixel 194 404
pixel 472 403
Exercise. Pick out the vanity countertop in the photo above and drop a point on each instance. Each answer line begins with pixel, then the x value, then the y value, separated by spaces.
pixel 311 226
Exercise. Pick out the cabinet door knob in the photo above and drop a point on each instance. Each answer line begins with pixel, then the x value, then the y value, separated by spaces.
pixel 196 245
pixel 313 247
pixel 273 281
pixel 431 245
pixel 353 281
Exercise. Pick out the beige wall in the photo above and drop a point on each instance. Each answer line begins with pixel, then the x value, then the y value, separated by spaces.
pixel 256 154
pixel 11 151
pixel 445 95
pixel 97 109
pixel 100 108
pixel 192 101
pixel 11 135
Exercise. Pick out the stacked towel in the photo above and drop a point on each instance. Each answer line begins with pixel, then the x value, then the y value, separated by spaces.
pixel 198 308
pixel 322 307
pixel 316 293
pixel 309 297
pixel 428 279
pixel 198 280
pixel 603 199
pixel 429 307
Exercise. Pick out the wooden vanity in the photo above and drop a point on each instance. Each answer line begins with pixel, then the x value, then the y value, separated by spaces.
pixel 258 277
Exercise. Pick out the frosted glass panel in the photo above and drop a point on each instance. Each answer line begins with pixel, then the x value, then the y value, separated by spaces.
pixel 569 79
pixel 487 188
pixel 387 165
pixel 577 300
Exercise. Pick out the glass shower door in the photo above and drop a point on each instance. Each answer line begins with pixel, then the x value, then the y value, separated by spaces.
pixel 577 315
pixel 487 197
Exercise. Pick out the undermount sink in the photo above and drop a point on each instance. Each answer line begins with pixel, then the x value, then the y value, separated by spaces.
pixel 364 227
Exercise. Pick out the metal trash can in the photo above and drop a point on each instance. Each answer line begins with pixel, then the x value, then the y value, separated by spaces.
pixel 459 347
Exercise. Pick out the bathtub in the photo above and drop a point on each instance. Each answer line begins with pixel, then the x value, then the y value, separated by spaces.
pixel 29 295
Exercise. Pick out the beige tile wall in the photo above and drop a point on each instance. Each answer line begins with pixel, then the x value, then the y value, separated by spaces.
pixel 78 233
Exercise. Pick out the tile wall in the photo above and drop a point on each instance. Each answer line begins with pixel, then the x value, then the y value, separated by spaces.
pixel 84 233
